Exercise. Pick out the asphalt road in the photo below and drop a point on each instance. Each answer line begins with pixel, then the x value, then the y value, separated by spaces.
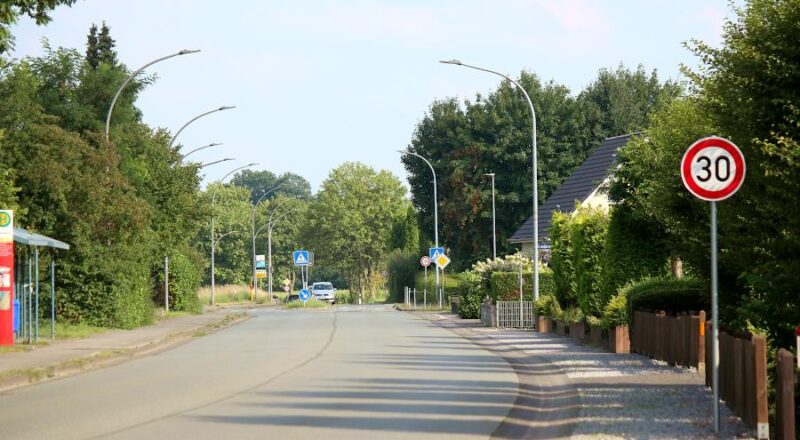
pixel 350 373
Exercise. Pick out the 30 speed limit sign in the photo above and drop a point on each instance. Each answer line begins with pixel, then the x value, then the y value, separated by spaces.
pixel 713 168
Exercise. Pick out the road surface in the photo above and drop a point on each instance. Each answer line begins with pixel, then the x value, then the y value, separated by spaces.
pixel 354 372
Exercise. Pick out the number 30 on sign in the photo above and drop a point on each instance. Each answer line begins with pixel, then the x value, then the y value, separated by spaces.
pixel 713 169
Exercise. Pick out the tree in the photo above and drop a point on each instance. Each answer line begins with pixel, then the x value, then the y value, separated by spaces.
pixel 745 91
pixel 351 221
pixel 92 54
pixel 261 181
pixel 38 10
pixel 492 134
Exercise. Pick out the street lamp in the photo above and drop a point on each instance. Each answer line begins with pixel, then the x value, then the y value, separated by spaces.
pixel 213 144
pixel 253 230
pixel 494 228
pixel 219 109
pixel 213 201
pixel 130 77
pixel 435 217
pixel 269 242
pixel 215 162
pixel 535 180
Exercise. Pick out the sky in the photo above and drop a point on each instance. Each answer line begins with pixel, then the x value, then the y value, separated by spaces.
pixel 317 83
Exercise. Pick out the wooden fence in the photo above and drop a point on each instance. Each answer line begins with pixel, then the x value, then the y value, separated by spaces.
pixel 742 376
pixel 677 340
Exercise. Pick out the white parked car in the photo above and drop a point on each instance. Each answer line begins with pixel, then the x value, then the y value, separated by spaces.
pixel 324 292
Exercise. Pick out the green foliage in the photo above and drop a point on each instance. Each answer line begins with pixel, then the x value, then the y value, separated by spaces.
pixel 402 268
pixel 354 214
pixel 587 237
pixel 185 274
pixel 265 185
pixel 469 288
pixel 310 304
pixel 561 258
pixel 572 315
pixel 615 313
pixel 492 133
pixel 38 10
pixel 635 248
pixel 669 294
pixel 745 91
pixel 505 285
pixel 548 305
pixel 405 232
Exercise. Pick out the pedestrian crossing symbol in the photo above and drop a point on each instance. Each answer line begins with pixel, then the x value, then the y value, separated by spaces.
pixel 301 258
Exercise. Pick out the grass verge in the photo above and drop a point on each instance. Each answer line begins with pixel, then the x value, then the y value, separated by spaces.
pixel 310 304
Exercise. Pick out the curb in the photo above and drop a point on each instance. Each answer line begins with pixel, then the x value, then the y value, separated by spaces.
pixel 14 379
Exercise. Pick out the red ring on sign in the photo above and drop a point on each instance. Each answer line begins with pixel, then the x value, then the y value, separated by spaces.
pixel 697 190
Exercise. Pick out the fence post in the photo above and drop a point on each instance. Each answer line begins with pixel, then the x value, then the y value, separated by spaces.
pixel 784 396
pixel 701 354
pixel 760 345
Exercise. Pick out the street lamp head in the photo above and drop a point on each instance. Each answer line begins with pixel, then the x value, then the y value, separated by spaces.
pixel 188 51
pixel 453 61
pixel 226 107
pixel 489 174
pixel 214 144
pixel 252 164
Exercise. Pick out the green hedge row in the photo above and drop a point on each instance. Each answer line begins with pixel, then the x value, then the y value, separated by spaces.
pixel 504 286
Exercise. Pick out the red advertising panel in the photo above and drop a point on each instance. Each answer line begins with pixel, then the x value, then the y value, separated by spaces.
pixel 6 277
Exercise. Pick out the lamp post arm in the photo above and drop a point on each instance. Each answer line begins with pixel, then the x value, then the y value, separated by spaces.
pixel 132 75
pixel 213 144
pixel 435 201
pixel 225 107
pixel 279 205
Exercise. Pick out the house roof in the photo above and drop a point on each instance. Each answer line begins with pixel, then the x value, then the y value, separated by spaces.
pixel 577 187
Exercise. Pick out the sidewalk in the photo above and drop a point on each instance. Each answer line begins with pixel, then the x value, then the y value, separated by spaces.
pixel 619 395
pixel 61 358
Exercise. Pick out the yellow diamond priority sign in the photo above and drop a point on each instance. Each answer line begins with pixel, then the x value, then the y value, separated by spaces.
pixel 442 261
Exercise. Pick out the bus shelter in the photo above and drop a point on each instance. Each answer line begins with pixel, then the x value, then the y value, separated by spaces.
pixel 26 283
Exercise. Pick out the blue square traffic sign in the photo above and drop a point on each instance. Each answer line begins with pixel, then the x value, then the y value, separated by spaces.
pixel 300 258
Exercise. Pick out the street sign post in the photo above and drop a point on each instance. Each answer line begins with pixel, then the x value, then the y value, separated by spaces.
pixel 261 262
pixel 305 294
pixel 434 252
pixel 301 258
pixel 442 261
pixel 713 169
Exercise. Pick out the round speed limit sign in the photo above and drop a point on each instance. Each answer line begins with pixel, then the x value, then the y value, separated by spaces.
pixel 425 261
pixel 713 169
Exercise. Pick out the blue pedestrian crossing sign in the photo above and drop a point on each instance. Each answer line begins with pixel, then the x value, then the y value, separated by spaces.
pixel 434 252
pixel 301 258
pixel 305 295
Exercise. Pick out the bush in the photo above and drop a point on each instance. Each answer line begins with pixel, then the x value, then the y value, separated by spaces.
pixel 587 236
pixel 669 294
pixel 548 305
pixel 505 285
pixel 561 258
pixel 185 275
pixel 402 268
pixel 635 248
pixel 572 315
pixel 469 287
pixel 615 313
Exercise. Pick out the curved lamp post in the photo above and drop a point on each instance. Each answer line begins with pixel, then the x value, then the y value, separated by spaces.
pixel 213 144
pixel 435 217
pixel 132 75
pixel 215 162
pixel 534 161
pixel 213 201
pixel 269 242
pixel 219 109
pixel 253 229
pixel 494 228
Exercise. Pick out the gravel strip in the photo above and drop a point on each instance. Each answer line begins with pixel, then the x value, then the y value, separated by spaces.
pixel 628 395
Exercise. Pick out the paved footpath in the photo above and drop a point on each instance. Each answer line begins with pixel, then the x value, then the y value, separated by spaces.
pixel 619 395
pixel 66 357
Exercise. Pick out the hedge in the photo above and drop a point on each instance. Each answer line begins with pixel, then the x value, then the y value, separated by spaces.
pixel 665 293
pixel 505 285
pixel 469 287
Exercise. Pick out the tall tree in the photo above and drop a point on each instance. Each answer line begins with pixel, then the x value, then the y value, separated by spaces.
pixel 350 224
pixel 92 54
pixel 261 182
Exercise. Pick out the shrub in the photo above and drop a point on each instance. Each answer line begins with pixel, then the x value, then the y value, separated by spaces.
pixel 505 285
pixel 666 293
pixel 548 305
pixel 402 268
pixel 615 313
pixel 561 258
pixel 587 236
pixel 572 315
pixel 469 287
pixel 184 279
pixel 634 248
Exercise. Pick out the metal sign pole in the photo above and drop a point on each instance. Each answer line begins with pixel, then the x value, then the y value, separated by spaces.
pixel 166 284
pixel 425 288
pixel 715 315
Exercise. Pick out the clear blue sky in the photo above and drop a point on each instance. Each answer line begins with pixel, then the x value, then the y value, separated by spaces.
pixel 318 83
